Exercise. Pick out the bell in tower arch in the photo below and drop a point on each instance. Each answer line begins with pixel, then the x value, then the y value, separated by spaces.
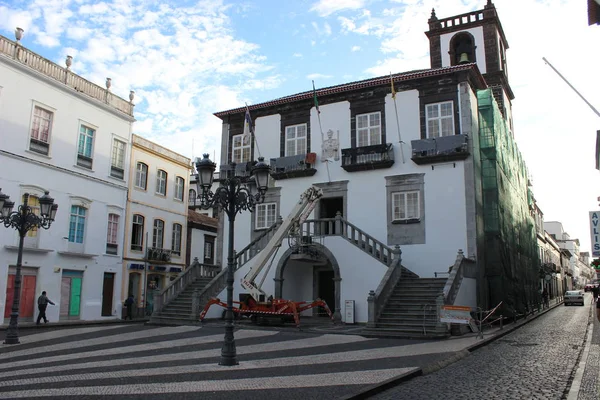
pixel 464 58
pixel 462 49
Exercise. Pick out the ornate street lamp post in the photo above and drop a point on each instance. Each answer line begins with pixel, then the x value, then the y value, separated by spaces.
pixel 232 196
pixel 23 220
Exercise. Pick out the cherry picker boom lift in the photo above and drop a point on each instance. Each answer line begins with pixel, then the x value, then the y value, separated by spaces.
pixel 253 304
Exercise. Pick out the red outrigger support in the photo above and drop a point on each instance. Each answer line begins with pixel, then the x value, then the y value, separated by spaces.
pixel 273 308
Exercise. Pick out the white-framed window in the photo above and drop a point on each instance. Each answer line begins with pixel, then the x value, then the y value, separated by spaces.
pixel 405 206
pixel 141 175
pixel 179 186
pixel 77 224
pixel 41 130
pixel 265 215
pixel 176 240
pixel 137 233
pixel 192 197
pixel 117 161
pixel 368 129
pixel 240 148
pixel 85 146
pixel 161 182
pixel 158 234
pixel 295 140
pixel 439 119
pixel 31 239
pixel 112 245
pixel 208 250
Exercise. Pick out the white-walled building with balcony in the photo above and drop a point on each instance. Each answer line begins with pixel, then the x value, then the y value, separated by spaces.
pixel 407 161
pixel 156 221
pixel 63 134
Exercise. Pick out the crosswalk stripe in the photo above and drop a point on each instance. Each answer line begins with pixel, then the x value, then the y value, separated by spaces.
pixel 58 334
pixel 364 377
pixel 118 338
pixel 243 334
pixel 324 340
pixel 313 359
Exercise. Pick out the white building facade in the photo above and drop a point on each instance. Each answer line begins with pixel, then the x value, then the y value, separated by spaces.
pixel 403 167
pixel 201 238
pixel 156 227
pixel 63 134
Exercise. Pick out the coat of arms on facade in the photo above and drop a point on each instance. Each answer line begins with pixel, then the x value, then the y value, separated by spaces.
pixel 330 147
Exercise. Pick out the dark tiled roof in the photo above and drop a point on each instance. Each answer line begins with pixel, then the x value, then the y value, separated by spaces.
pixel 202 219
pixel 346 87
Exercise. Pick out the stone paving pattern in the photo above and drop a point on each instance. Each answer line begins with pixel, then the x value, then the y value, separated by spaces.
pixel 148 362
pixel 536 361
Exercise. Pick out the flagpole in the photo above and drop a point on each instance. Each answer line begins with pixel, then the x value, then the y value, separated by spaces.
pixel 251 129
pixel 397 119
pixel 318 111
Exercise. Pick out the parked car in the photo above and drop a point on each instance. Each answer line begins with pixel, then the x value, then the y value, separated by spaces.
pixel 588 287
pixel 574 297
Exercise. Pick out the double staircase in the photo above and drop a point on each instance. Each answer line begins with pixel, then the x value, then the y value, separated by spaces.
pixel 405 305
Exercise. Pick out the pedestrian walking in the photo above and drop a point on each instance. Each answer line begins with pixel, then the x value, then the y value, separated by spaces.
pixel 595 292
pixel 129 304
pixel 43 302
pixel 545 298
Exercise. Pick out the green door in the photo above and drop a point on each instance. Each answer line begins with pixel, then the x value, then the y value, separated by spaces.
pixel 75 300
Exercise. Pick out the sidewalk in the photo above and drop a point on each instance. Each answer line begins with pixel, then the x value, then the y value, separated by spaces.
pixel 586 383
pixel 64 324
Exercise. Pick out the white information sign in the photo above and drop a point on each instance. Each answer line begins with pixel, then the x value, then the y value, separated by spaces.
pixel 595 232
pixel 349 311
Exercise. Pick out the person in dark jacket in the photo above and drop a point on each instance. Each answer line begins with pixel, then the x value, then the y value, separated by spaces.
pixel 129 304
pixel 43 301
pixel 595 292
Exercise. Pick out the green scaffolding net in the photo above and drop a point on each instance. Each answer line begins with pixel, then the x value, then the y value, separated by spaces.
pixel 509 255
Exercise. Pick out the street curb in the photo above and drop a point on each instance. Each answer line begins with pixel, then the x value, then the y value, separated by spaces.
pixel 575 382
pixel 385 385
pixel 505 331
pixel 70 324
pixel 436 366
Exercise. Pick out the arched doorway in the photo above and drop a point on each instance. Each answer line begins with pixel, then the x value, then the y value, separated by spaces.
pixel 310 277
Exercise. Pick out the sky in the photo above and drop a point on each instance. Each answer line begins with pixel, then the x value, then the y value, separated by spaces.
pixel 186 60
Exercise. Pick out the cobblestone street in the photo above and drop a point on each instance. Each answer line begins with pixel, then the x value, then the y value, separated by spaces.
pixel 536 361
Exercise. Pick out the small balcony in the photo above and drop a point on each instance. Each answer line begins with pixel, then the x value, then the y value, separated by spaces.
pixel 368 157
pixel 117 172
pixel 83 161
pixel 39 146
pixel 156 254
pixel 243 170
pixel 293 166
pixel 440 149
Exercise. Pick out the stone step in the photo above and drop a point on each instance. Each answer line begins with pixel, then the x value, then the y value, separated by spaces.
pixel 410 328
pixel 411 301
pixel 427 288
pixel 408 315
pixel 170 314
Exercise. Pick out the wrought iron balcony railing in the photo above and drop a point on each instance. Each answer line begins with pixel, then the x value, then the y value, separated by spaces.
pixel 293 166
pixel 368 157
pixel 440 149
pixel 156 254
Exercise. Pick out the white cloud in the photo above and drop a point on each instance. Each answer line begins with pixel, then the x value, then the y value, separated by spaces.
pixel 355 48
pixel 327 7
pixel 297 55
pixel 318 76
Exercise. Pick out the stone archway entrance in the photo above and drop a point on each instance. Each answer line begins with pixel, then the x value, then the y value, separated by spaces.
pixel 317 278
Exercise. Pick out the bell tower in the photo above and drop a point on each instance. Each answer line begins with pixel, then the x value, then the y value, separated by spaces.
pixel 475 37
